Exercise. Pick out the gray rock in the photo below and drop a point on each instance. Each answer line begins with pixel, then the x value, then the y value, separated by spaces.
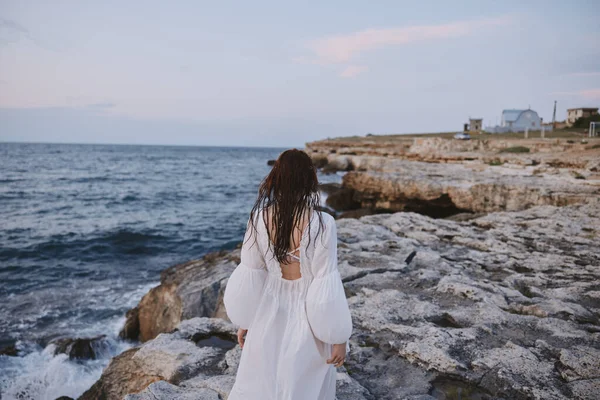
pixel 348 389
pixel 162 390
pixel 505 305
pixel 175 359
pixel 82 348
pixel 221 384
pixel 579 363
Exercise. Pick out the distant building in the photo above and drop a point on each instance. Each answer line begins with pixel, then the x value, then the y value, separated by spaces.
pixel 517 121
pixel 475 124
pixel 573 114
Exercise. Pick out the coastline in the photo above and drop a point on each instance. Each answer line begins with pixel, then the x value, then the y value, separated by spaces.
pixel 503 302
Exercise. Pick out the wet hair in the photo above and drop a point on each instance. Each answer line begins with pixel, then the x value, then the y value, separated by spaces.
pixel 289 192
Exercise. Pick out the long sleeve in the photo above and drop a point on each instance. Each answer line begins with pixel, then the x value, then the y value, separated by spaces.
pixel 326 304
pixel 245 285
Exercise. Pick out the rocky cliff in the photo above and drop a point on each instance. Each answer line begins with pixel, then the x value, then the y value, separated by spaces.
pixel 441 177
pixel 505 305
pixel 451 188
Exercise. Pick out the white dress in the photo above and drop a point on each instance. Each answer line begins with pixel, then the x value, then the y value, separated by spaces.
pixel 291 323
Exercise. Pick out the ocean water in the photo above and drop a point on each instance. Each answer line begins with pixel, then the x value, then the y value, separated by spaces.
pixel 85 231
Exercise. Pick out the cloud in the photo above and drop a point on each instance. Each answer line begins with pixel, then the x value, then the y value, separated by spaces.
pixel 584 74
pixel 587 94
pixel 590 94
pixel 11 31
pixel 340 49
pixel 101 106
pixel 352 71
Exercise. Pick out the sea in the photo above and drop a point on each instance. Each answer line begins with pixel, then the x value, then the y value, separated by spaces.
pixel 85 231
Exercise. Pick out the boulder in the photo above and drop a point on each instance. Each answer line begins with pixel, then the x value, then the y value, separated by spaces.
pixel 339 163
pixel 342 200
pixel 121 377
pixel 192 289
pixel 10 350
pixel 174 357
pixel 82 348
pixel 319 161
pixel 131 329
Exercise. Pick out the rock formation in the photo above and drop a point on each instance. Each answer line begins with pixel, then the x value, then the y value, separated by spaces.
pixel 441 177
pixel 187 290
pixel 82 348
pixel 194 349
pixel 506 305
pixel 440 190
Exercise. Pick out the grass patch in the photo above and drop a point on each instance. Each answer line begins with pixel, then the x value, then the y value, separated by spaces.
pixel 515 149
pixel 567 133
pixel 495 163
pixel 595 146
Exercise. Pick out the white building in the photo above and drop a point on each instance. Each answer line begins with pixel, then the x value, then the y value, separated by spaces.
pixel 573 114
pixel 517 121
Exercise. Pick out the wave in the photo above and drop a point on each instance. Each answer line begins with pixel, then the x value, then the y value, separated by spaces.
pixel 39 374
pixel 11 180
pixel 113 244
pixel 95 179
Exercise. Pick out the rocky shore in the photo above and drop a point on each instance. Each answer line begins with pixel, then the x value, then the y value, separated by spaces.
pixel 501 304
pixel 441 177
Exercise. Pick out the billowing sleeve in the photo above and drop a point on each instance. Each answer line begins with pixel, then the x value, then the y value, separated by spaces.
pixel 326 304
pixel 245 285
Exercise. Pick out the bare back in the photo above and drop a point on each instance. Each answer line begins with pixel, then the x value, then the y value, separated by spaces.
pixel 291 269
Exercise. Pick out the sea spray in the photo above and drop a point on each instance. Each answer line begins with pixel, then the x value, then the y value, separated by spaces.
pixel 40 374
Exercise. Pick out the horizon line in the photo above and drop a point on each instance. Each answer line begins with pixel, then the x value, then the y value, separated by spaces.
pixel 149 144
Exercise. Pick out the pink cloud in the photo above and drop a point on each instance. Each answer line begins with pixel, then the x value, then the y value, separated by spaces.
pixel 343 48
pixel 592 94
pixel 588 94
pixel 352 71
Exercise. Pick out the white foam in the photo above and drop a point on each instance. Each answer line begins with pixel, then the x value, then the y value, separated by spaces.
pixel 41 375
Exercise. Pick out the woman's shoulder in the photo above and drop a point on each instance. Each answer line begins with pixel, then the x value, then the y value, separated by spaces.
pixel 326 218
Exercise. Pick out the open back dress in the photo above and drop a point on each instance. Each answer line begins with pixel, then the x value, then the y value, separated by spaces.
pixel 291 323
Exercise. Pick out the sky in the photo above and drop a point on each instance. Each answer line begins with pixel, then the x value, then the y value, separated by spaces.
pixel 280 74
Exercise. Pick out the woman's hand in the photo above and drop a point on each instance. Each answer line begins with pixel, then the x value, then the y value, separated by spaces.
pixel 338 354
pixel 241 335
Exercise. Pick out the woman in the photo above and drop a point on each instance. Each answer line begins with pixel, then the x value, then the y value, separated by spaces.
pixel 286 295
